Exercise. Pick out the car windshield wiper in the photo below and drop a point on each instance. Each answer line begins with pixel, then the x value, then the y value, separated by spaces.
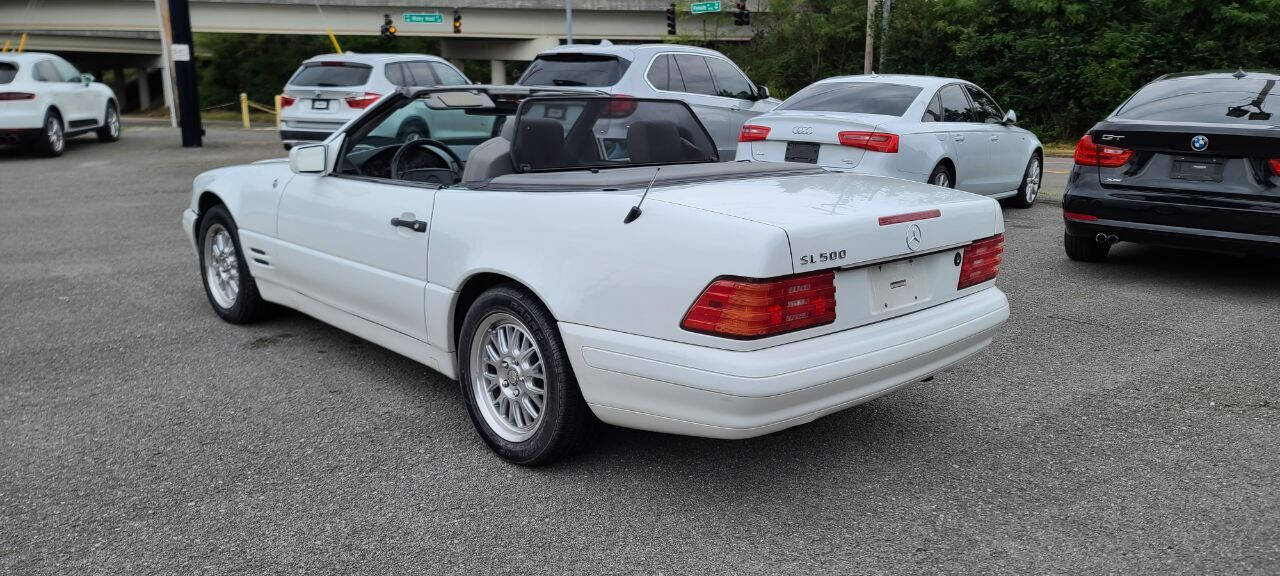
pixel 562 82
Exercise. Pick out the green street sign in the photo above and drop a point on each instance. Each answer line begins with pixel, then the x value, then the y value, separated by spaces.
pixel 704 7
pixel 427 18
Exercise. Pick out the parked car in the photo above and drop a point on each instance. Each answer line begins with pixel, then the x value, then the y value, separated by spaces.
pixel 596 260
pixel 1188 160
pixel 329 90
pixel 944 131
pixel 719 92
pixel 44 100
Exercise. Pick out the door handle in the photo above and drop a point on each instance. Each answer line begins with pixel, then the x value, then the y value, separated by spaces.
pixel 995 138
pixel 959 137
pixel 415 225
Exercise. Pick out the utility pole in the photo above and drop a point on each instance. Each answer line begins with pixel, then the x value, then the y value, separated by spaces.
pixel 568 21
pixel 162 19
pixel 181 53
pixel 871 36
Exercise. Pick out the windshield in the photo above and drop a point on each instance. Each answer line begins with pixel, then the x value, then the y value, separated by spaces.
pixel 323 74
pixel 1212 100
pixel 567 133
pixel 574 70
pixel 856 97
pixel 8 71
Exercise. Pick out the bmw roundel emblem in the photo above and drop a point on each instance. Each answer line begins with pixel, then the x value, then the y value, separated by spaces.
pixel 1199 143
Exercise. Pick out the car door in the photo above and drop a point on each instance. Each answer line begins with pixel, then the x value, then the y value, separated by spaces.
pixel 970 155
pixel 734 86
pixel 359 243
pixel 84 97
pixel 60 92
pixel 1005 162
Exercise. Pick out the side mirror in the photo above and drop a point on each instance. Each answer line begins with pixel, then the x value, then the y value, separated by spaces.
pixel 1010 117
pixel 308 159
pixel 762 92
pixel 86 79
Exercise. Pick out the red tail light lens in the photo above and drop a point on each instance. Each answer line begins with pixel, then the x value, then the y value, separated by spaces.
pixel 981 261
pixel 753 133
pixel 1090 154
pixel 620 106
pixel 746 308
pixel 1275 166
pixel 1078 216
pixel 17 96
pixel 287 101
pixel 362 102
pixel 874 141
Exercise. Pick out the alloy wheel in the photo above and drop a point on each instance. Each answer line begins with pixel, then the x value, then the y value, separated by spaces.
pixel 53 131
pixel 113 122
pixel 1031 184
pixel 221 266
pixel 508 377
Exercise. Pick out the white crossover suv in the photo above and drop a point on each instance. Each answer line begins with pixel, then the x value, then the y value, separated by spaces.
pixel 44 100
pixel 944 131
pixel 329 90
pixel 719 92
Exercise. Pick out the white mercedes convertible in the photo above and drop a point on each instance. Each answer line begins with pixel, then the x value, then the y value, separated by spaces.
pixel 571 257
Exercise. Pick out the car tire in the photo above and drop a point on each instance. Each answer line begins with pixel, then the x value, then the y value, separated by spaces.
pixel 1032 177
pixel 943 176
pixel 517 382
pixel 1084 248
pixel 110 130
pixel 224 272
pixel 53 138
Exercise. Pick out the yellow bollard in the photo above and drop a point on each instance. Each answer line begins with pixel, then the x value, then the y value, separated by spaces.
pixel 22 42
pixel 244 109
pixel 6 46
pixel 278 110
pixel 336 48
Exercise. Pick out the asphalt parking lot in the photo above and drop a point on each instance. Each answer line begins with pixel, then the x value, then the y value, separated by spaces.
pixel 1125 421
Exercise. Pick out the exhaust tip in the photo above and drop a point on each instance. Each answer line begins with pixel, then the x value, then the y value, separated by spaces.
pixel 1112 239
pixel 1100 238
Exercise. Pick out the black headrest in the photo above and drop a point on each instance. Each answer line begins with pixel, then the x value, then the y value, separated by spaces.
pixel 654 141
pixel 539 142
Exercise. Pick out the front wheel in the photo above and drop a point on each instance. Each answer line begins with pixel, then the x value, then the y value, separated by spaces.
pixel 110 130
pixel 227 282
pixel 517 382
pixel 1030 187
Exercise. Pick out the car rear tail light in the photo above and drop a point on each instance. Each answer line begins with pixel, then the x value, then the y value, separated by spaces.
pixel 620 106
pixel 362 102
pixel 17 96
pixel 287 101
pixel 753 133
pixel 1275 166
pixel 1078 216
pixel 747 308
pixel 981 261
pixel 874 141
pixel 1090 154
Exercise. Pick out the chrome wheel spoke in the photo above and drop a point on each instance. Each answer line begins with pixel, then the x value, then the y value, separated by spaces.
pixel 507 377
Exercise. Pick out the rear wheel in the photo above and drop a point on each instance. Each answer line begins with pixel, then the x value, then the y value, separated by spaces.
pixel 1030 187
pixel 52 139
pixel 943 176
pixel 227 282
pixel 517 382
pixel 1084 248
pixel 110 130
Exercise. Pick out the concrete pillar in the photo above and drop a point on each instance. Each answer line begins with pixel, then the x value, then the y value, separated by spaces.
pixel 119 85
pixel 497 72
pixel 144 89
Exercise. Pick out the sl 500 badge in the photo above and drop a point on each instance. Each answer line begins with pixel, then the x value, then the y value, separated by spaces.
pixel 833 256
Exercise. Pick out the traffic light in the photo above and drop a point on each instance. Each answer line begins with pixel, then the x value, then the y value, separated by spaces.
pixel 742 17
pixel 388 28
pixel 671 19
pixel 457 21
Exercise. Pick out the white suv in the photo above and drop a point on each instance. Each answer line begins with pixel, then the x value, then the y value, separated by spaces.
pixel 718 91
pixel 331 89
pixel 44 100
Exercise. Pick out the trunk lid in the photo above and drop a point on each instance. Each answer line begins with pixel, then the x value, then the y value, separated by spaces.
pixel 895 244
pixel 795 136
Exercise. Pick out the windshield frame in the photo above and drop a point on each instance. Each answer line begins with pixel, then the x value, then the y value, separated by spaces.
pixel 715 152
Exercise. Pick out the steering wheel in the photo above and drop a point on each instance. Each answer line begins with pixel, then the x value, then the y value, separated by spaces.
pixel 443 176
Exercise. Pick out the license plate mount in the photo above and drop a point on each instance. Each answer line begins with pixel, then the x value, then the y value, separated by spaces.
pixel 806 152
pixel 1196 170
pixel 319 104
pixel 896 285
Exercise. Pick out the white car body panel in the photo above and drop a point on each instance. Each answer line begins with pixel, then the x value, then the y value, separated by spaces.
pixel 323 244
pixel 989 159
pixel 81 105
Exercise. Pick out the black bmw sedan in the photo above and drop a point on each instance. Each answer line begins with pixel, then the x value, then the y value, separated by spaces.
pixel 1190 160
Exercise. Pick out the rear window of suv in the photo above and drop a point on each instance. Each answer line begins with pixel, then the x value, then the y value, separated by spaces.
pixel 8 71
pixel 856 97
pixel 1217 100
pixel 331 74
pixel 597 70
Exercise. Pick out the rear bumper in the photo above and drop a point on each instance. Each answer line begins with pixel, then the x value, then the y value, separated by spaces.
pixel 1174 218
pixel 678 388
